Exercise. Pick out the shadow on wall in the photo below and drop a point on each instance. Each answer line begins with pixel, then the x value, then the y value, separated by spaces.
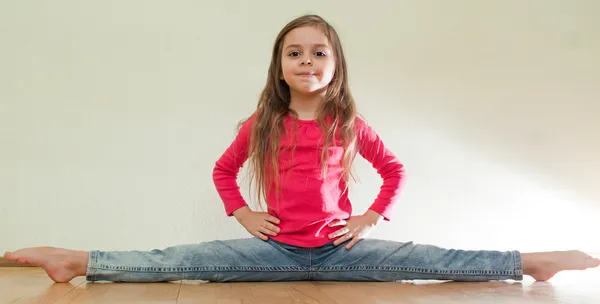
pixel 523 93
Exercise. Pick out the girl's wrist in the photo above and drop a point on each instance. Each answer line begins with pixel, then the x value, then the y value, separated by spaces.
pixel 375 217
pixel 239 213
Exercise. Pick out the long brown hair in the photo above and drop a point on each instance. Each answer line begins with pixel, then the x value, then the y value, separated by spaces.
pixel 336 115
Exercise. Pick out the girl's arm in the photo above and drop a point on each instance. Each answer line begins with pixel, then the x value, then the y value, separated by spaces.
pixel 372 148
pixel 228 166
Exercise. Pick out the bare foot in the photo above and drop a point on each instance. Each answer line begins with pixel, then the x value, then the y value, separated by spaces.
pixel 542 266
pixel 61 265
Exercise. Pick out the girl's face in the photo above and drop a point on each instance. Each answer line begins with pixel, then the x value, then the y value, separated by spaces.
pixel 307 61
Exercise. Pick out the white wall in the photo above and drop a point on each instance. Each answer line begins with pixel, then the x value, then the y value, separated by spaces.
pixel 112 115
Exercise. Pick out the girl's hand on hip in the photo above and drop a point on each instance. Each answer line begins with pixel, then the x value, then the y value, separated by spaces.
pixel 259 224
pixel 355 228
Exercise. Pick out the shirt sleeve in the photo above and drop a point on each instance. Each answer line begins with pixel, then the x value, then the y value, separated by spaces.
pixel 371 147
pixel 227 167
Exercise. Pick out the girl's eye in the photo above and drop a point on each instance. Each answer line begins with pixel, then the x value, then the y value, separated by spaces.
pixel 320 54
pixel 294 54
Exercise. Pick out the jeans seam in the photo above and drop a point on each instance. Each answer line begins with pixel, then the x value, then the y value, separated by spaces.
pixel 195 269
pixel 419 270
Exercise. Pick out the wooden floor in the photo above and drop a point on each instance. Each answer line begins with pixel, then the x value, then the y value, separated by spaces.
pixel 31 285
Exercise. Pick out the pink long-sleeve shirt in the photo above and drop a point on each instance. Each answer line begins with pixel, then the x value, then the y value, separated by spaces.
pixel 307 201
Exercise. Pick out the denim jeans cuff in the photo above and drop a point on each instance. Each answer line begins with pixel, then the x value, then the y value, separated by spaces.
pixel 518 265
pixel 91 267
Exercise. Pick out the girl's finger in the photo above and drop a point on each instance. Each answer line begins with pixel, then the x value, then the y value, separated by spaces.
pixel 339 233
pixel 272 219
pixel 271 227
pixel 352 243
pixel 337 223
pixel 265 230
pixel 261 236
pixel 342 239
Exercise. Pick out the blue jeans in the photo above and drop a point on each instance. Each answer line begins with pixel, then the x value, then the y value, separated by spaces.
pixel 252 260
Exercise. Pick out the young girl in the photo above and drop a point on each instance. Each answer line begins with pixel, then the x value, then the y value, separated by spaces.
pixel 301 142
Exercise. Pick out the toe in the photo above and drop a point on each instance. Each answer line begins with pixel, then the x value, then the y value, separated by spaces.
pixel 592 262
